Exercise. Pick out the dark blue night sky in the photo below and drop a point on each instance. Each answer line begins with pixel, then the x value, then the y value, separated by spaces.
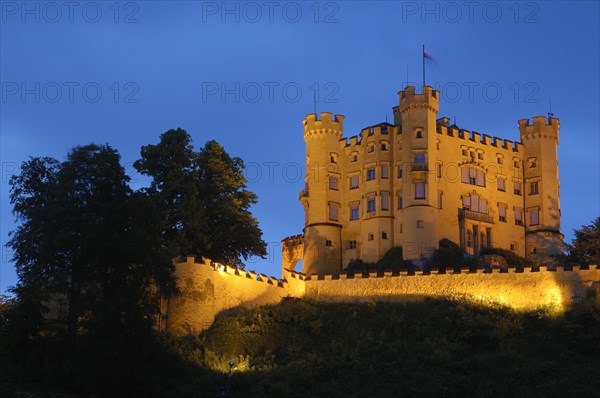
pixel 246 74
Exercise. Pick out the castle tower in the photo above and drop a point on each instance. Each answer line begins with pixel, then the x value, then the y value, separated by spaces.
pixel 418 114
pixel 322 206
pixel 541 188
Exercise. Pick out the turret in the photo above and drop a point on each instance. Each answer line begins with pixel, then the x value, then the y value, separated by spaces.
pixel 322 231
pixel 418 114
pixel 541 190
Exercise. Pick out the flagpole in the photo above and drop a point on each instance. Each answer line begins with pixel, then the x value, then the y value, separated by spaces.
pixel 423 56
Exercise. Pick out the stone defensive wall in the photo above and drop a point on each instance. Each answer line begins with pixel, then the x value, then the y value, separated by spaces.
pixel 209 289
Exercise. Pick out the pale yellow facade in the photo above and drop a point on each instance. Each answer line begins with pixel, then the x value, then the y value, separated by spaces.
pixel 418 180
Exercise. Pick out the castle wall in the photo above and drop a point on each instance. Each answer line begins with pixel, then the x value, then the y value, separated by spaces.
pixel 522 291
pixel 207 291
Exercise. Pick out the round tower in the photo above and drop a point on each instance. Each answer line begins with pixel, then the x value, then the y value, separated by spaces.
pixel 541 188
pixel 418 114
pixel 321 198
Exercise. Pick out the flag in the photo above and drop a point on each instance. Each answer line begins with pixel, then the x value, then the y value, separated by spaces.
pixel 427 55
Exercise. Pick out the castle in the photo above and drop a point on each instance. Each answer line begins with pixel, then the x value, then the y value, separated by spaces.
pixel 406 184
pixel 414 182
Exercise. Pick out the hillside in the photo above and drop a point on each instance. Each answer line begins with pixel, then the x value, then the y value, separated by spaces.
pixel 301 348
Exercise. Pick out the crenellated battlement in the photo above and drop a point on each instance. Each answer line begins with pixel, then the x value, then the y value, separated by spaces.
pixel 428 99
pixel 542 127
pixel 327 123
pixel 478 138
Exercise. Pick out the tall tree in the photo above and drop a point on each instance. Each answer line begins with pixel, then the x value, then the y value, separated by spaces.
pixel 85 236
pixel 585 248
pixel 203 199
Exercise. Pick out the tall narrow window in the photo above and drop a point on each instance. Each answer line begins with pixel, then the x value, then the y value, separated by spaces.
pixel 384 171
pixel 400 200
pixel 517 188
pixel 353 182
pixel 440 195
pixel 439 170
pixel 333 211
pixel 399 171
pixel 385 198
pixel 370 173
pixel 333 157
pixel 533 188
pixel 333 183
pixel 370 203
pixel 502 212
pixel 419 134
pixel 518 216
pixel 501 184
pixel 419 190
pixel 354 211
pixel 534 216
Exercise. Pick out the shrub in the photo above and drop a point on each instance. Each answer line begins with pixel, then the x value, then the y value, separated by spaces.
pixel 511 258
pixel 449 254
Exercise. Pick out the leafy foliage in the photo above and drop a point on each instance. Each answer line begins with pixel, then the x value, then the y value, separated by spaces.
pixel 585 248
pixel 513 259
pixel 391 261
pixel 202 198
pixel 448 254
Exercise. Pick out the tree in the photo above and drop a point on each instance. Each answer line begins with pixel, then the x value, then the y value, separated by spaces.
pixel 585 248
pixel 86 237
pixel 202 198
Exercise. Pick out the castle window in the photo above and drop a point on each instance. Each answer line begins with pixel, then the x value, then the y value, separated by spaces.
pixel 352 244
pixel 501 184
pixel 333 183
pixel 399 171
pixel 333 211
pixel 469 238
pixel 371 130
pixel 439 170
pixel 400 201
pixel 419 158
pixel 384 235
pixel 328 243
pixel 518 216
pixel 473 176
pixel 384 171
pixel 420 224
pixel 516 164
pixel 370 173
pixel 354 157
pixel 371 237
pixel 475 203
pixel 419 190
pixel 533 188
pixel 385 198
pixel 500 160
pixel 419 134
pixel 370 203
pixel 384 129
pixel 440 195
pixel 534 216
pixel 472 154
pixel 517 188
pixel 400 228
pixel 502 212
pixel 333 157
pixel 464 152
pixel 354 211
pixel 353 182
pixel 384 146
pixel 371 148
pixel 480 155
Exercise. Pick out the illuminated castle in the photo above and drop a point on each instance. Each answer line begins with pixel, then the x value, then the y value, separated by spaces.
pixel 414 182
pixel 409 184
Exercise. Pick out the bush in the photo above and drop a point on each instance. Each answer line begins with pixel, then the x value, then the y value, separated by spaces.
pixel 511 258
pixel 449 254
pixel 392 261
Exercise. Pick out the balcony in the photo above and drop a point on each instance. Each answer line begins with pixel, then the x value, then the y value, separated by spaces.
pixel 419 167
pixel 473 215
